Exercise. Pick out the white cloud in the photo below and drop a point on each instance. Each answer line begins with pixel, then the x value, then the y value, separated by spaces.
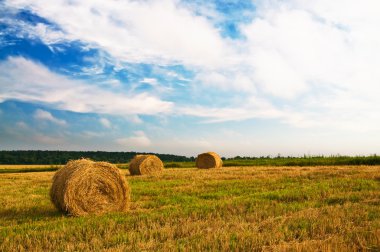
pixel 22 29
pixel 321 56
pixel 44 139
pixel 105 122
pixel 314 62
pixel 135 31
pixel 22 125
pixel 134 119
pixel 227 80
pixel 150 81
pixel 40 114
pixel 26 80
pixel 48 35
pixel 291 50
pixel 177 76
pixel 139 139
pixel 214 115
pixel 91 134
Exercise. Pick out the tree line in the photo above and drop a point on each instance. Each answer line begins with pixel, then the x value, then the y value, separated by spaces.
pixel 61 157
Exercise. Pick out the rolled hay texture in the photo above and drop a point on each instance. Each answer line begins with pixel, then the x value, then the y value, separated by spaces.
pixel 145 165
pixel 209 160
pixel 84 187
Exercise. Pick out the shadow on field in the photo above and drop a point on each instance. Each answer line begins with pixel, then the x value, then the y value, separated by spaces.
pixel 29 213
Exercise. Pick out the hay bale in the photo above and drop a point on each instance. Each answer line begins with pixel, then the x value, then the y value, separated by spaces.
pixel 208 160
pixel 145 164
pixel 84 187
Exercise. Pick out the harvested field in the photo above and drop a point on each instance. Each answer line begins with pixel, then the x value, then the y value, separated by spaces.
pixel 235 208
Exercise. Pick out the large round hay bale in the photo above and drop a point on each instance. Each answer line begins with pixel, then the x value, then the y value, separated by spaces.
pixel 84 187
pixel 209 160
pixel 145 165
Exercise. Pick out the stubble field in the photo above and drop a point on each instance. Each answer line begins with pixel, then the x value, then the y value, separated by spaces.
pixel 232 209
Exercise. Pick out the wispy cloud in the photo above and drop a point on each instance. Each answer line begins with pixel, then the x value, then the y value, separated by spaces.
pixel 105 123
pixel 139 139
pixel 26 30
pixel 26 80
pixel 125 30
pixel 150 81
pixel 22 125
pixel 217 115
pixel 48 140
pixel 40 114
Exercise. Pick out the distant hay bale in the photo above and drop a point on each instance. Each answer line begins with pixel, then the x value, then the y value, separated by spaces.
pixel 84 187
pixel 208 160
pixel 145 165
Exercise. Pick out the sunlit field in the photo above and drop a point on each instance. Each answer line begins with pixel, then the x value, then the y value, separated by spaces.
pixel 28 168
pixel 4 166
pixel 233 209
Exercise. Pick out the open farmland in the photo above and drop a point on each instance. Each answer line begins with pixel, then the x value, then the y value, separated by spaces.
pixel 235 208
pixel 28 168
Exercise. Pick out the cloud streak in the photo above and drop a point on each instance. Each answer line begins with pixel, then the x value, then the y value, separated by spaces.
pixel 139 139
pixel 40 114
pixel 25 80
pixel 105 123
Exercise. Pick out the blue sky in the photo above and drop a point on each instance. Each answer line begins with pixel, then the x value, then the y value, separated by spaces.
pixel 254 78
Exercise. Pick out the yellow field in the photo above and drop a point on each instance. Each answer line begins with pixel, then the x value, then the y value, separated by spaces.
pixel 26 166
pixel 231 209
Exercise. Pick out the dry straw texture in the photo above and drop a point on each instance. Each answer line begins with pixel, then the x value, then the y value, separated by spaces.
pixel 145 164
pixel 83 186
pixel 209 160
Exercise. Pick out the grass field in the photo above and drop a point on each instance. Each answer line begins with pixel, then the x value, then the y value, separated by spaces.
pixel 4 166
pixel 27 168
pixel 233 209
